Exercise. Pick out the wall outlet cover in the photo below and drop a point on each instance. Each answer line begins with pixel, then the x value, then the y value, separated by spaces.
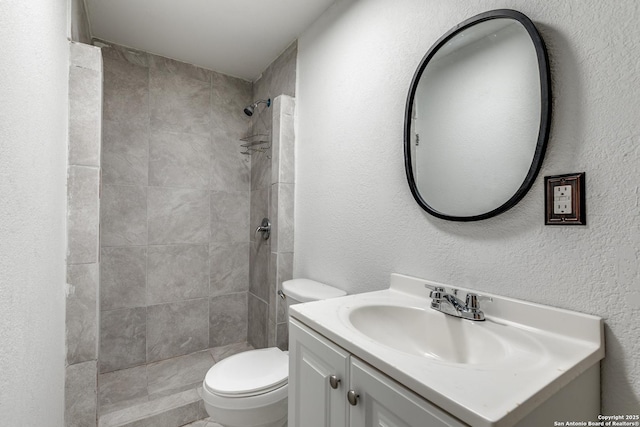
pixel 564 199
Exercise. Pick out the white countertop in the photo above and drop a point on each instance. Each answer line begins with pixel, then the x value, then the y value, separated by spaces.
pixel 547 348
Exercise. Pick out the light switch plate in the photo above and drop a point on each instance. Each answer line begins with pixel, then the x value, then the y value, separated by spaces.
pixel 565 199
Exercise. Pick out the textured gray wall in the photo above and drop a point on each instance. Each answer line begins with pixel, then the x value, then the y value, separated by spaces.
pixel 356 221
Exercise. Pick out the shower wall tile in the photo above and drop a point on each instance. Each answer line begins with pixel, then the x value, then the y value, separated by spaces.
pixel 178 373
pixel 83 209
pixel 179 160
pixel 229 96
pixel 222 352
pixel 179 103
pixel 283 151
pixel 123 338
pixel 85 115
pixel 229 216
pixel 115 52
pixel 126 91
pixel 177 328
pixel 257 319
pixel 126 385
pixel 283 72
pixel 259 274
pixel 81 313
pixel 259 209
pixel 280 76
pixel 228 319
pixel 85 56
pixel 282 203
pixel 123 274
pixel 125 153
pixel 230 169
pixel 178 216
pixel 172 66
pixel 80 395
pixel 261 170
pixel 177 273
pixel 123 215
pixel 281 270
pixel 229 266
pixel 282 336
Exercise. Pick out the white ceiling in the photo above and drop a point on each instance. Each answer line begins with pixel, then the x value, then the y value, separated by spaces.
pixel 236 37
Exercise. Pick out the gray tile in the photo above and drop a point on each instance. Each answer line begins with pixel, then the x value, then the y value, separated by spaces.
pixel 126 91
pixel 257 322
pixel 230 169
pixel 222 352
pixel 261 170
pixel 80 395
pixel 283 72
pixel 179 103
pixel 125 152
pixel 123 277
pixel 85 56
pixel 82 220
pixel 282 204
pixel 284 272
pixel 85 116
pixel 179 160
pixel 172 66
pixel 178 216
pixel 229 264
pixel 127 386
pixel 229 216
pixel 123 215
pixel 123 337
pixel 283 150
pixel 116 52
pixel 168 411
pixel 177 273
pixel 260 208
pixel 228 319
pixel 82 313
pixel 282 336
pixel 259 258
pixel 177 373
pixel 229 96
pixel 177 328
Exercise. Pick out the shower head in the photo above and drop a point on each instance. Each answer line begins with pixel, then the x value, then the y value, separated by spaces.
pixel 248 110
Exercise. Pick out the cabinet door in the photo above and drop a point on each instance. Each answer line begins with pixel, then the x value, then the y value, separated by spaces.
pixel 384 403
pixel 313 402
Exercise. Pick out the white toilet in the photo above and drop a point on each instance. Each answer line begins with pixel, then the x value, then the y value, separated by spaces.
pixel 250 389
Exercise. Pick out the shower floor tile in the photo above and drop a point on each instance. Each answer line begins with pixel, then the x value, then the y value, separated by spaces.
pixel 129 390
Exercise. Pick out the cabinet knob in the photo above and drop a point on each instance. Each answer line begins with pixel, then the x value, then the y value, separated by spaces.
pixel 352 397
pixel 334 381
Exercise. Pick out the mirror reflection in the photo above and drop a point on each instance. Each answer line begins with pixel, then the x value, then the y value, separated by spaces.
pixel 478 122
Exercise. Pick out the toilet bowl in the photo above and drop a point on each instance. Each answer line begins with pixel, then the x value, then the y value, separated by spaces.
pixel 250 389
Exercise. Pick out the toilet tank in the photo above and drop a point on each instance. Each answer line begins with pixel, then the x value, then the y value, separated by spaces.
pixel 305 290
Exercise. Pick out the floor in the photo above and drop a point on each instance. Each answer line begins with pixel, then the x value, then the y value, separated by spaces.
pixel 165 390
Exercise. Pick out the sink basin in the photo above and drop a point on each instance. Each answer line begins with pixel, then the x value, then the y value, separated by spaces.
pixel 488 373
pixel 428 333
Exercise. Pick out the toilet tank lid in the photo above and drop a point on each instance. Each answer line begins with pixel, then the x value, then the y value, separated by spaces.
pixel 305 290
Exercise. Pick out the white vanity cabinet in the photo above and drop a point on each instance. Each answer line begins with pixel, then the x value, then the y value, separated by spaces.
pixel 314 402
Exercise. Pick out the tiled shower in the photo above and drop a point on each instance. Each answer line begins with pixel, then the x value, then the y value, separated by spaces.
pixel 180 268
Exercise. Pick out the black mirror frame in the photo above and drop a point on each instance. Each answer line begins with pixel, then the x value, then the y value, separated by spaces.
pixel 545 111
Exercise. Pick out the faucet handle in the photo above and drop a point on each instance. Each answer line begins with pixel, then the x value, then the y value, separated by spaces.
pixel 436 291
pixel 473 300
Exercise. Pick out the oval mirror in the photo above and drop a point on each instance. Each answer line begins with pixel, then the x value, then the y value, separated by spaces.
pixel 477 117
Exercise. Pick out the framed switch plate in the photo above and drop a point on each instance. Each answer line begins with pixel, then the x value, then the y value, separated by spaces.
pixel 564 199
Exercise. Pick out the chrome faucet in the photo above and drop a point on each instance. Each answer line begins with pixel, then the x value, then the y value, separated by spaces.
pixel 448 303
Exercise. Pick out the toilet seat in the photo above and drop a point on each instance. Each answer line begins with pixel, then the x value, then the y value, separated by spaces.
pixel 250 373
